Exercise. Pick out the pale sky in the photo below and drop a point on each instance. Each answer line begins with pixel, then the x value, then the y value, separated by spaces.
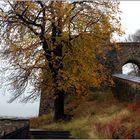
pixel 130 17
pixel 130 22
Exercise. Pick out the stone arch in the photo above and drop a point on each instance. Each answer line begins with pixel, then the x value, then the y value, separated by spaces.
pixel 127 59
pixel 134 61
pixel 127 52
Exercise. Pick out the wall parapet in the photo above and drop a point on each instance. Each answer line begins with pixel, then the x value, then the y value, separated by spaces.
pixel 14 128
pixel 127 77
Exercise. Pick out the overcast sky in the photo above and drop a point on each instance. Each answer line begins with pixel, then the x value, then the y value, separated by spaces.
pixel 130 21
pixel 130 17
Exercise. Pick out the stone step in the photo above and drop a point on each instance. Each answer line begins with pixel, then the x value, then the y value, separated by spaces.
pixel 44 134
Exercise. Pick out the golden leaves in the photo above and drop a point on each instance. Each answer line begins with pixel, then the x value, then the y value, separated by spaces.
pixel 85 34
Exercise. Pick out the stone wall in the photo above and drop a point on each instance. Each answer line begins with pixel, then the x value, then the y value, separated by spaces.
pixel 46 105
pixel 14 128
pixel 127 88
pixel 128 52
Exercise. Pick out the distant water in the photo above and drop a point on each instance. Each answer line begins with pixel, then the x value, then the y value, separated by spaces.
pixel 17 109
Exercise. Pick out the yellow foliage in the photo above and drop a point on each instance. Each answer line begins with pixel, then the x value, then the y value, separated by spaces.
pixel 84 31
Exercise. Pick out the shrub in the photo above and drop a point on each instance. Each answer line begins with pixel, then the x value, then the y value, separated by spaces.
pixel 115 129
pixel 113 126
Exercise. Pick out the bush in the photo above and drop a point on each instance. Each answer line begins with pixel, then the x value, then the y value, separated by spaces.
pixel 114 126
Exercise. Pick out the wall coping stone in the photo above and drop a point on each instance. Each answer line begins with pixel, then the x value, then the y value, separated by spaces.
pixel 127 77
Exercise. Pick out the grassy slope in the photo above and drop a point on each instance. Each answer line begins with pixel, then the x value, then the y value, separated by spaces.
pixel 99 115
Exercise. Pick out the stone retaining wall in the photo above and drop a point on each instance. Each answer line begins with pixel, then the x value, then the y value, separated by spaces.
pixel 14 128
pixel 127 88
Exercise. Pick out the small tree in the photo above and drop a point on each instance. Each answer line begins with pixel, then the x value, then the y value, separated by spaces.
pixel 134 37
pixel 53 45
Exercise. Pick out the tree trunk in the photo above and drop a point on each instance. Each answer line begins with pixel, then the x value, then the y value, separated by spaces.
pixel 59 106
pixel 57 65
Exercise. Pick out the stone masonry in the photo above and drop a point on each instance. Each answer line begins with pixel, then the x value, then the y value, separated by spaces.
pixel 128 52
pixel 14 128
pixel 127 88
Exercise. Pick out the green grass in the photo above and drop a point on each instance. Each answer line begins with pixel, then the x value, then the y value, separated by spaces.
pixel 79 128
pixel 99 115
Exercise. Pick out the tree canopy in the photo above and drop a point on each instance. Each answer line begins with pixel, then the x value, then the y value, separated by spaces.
pixel 53 45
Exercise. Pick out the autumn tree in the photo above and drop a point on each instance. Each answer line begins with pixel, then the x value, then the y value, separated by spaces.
pixel 53 46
